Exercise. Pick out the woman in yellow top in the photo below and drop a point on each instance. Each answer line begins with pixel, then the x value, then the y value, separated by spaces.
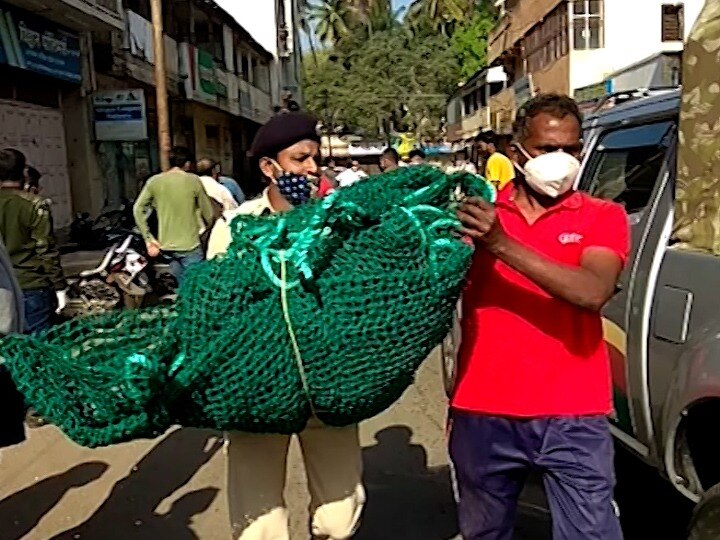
pixel 499 170
pixel 286 150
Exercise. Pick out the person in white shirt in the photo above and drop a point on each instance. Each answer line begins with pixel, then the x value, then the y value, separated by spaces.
pixel 209 173
pixel 351 175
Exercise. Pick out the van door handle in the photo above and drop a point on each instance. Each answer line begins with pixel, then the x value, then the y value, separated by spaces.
pixel 619 286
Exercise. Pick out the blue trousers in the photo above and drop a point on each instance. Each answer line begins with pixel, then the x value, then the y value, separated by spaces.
pixel 40 305
pixel 493 456
pixel 180 261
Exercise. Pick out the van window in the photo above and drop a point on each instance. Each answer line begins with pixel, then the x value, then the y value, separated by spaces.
pixel 626 163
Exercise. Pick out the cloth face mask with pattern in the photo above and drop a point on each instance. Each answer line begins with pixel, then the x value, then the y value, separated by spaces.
pixel 296 188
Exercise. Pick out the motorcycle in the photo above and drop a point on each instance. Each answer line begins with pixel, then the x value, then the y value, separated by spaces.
pixel 91 234
pixel 124 278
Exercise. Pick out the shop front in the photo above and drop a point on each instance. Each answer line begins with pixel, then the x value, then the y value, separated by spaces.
pixel 39 63
pixel 124 121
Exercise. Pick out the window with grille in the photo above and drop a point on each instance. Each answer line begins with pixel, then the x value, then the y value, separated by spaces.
pixel 588 27
pixel 673 22
pixel 547 41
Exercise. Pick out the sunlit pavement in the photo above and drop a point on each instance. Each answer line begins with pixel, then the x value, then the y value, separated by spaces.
pixel 174 487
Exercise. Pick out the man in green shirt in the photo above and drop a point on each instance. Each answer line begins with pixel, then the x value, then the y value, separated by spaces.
pixel 27 232
pixel 181 205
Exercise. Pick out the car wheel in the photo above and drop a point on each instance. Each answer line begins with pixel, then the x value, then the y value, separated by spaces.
pixel 705 523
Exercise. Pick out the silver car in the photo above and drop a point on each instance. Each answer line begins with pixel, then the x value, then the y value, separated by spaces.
pixel 663 326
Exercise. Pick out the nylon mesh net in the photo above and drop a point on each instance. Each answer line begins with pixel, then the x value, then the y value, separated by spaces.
pixel 325 311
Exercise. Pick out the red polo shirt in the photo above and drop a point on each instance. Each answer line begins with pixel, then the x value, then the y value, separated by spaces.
pixel 525 353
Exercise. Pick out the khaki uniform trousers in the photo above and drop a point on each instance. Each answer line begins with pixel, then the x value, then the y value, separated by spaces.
pixel 257 466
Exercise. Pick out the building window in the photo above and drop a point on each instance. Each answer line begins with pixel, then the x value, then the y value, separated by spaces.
pixel 244 66
pixel 673 23
pixel 472 102
pixel 588 28
pixel 547 42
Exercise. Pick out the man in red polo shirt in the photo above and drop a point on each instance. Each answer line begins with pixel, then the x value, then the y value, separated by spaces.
pixel 533 390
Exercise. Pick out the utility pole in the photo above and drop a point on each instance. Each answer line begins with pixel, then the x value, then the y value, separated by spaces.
pixel 163 114
pixel 329 127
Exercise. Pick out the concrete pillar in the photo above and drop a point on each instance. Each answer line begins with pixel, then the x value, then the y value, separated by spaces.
pixel 251 71
pixel 86 181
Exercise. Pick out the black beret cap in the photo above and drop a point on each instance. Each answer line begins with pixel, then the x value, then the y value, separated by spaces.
pixel 282 131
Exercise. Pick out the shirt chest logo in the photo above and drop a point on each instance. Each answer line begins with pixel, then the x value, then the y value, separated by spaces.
pixel 567 238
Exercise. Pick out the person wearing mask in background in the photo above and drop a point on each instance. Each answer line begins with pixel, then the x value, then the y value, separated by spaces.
pixel 12 321
pixel 286 149
pixel 26 229
pixel 328 179
pixel 417 157
pixel 389 160
pixel 351 175
pixel 533 391
pixel 32 180
pixel 177 197
pixel 209 173
pixel 499 170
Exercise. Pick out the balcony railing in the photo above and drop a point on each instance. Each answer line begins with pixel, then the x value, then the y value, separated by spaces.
pixel 108 12
pixel 208 83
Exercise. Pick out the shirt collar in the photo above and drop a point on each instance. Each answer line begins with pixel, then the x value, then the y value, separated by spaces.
pixel 573 201
pixel 266 200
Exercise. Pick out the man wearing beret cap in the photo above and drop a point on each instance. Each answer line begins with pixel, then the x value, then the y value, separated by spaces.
pixel 286 149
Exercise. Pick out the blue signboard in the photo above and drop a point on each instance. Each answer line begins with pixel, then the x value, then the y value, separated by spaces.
pixel 38 45
pixel 120 115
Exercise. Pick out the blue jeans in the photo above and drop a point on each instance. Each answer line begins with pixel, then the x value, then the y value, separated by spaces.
pixel 492 457
pixel 40 306
pixel 180 261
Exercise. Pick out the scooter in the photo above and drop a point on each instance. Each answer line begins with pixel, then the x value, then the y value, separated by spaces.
pixel 124 276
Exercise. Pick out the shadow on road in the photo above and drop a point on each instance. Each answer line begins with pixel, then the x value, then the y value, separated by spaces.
pixel 406 498
pixel 22 511
pixel 130 509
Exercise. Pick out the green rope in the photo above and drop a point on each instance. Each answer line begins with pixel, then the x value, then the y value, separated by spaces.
pixel 293 336
pixel 375 271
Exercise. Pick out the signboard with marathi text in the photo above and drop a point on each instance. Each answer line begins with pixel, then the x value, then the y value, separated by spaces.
pixel 35 44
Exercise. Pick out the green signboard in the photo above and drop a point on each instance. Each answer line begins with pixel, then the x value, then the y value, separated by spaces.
pixel 207 88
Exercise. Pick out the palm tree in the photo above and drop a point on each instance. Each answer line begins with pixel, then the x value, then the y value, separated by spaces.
pixel 374 15
pixel 362 10
pixel 441 13
pixel 303 14
pixel 382 15
pixel 331 19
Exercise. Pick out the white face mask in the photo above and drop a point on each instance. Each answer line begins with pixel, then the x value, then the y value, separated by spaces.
pixel 551 174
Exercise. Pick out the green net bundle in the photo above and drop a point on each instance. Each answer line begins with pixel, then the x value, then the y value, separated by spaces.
pixel 326 311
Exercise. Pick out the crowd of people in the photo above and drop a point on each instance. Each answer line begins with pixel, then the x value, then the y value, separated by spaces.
pixel 533 386
pixel 491 162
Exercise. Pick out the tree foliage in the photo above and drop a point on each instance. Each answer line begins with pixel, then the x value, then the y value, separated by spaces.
pixel 441 14
pixel 470 41
pixel 384 75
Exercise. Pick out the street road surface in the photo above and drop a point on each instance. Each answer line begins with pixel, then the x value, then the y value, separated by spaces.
pixel 174 487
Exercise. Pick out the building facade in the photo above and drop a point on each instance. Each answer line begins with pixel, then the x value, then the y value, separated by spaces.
pixel 469 108
pixel 586 48
pixel 77 91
